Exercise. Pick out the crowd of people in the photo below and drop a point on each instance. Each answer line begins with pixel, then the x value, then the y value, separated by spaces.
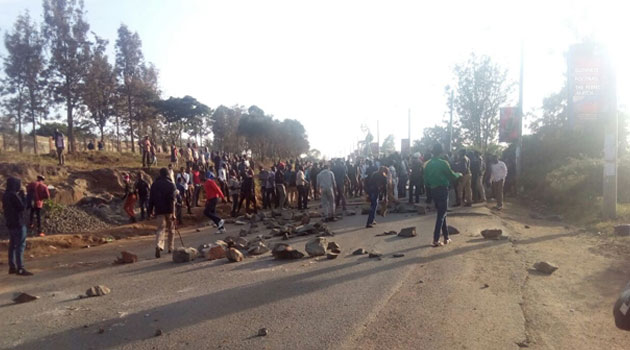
pixel 231 178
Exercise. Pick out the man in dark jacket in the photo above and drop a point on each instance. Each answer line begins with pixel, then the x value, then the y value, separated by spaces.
pixel 376 184
pixel 141 188
pixel 13 205
pixel 162 203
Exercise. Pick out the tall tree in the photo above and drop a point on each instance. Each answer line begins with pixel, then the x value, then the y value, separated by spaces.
pixel 100 88
pixel 482 87
pixel 129 61
pixel 225 123
pixel 24 69
pixel 66 33
pixel 389 145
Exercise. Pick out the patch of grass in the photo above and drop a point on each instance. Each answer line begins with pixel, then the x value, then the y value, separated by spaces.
pixel 84 160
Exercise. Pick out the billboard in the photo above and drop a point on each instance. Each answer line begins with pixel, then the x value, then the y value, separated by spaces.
pixel 587 72
pixel 509 124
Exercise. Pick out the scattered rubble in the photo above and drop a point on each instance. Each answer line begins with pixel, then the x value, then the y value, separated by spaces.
pixel 452 230
pixel 408 232
pixel 375 254
pixel 398 255
pixel 545 267
pixel 97 291
pixel 492 233
pixel 126 258
pixel 158 332
pixel 234 255
pixel 263 332
pixel 333 246
pixel 283 251
pixel 316 246
pixel 20 298
pixel 182 255
pixel 332 255
pixel 258 248
pixel 359 251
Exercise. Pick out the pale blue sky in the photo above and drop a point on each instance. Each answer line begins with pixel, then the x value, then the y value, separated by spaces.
pixel 335 65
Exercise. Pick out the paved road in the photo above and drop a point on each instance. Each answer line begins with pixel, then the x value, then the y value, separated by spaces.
pixel 470 294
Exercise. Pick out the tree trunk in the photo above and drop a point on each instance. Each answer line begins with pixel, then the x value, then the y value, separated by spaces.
pixel 34 133
pixel 19 118
pixel 118 133
pixel 133 146
pixel 71 142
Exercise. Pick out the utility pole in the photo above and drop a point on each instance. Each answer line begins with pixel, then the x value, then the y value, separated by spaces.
pixel 519 141
pixel 610 141
pixel 450 124
pixel 409 127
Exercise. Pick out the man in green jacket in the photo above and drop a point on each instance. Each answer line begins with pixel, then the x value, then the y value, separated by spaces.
pixel 437 178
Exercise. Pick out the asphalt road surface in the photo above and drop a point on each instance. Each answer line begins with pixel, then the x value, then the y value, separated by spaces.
pixel 471 294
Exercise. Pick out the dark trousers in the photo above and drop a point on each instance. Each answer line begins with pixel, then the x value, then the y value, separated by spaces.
pixel 373 206
pixel 270 197
pixel 302 197
pixel 440 198
pixel 414 188
pixel 234 203
pixel 402 184
pixel 211 210
pixel 37 212
pixel 196 193
pixel 143 203
pixel 17 243
pixel 247 197
pixel 178 213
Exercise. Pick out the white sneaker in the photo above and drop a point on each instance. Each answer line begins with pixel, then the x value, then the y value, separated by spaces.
pixel 221 222
pixel 221 230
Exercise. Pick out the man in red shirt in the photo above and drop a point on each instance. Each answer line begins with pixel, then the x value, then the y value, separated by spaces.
pixel 213 193
pixel 196 179
pixel 39 192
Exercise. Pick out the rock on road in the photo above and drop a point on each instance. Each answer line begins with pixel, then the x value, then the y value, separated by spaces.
pixel 471 294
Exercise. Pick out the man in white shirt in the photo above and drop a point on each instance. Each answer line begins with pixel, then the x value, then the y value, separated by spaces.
pixel 498 173
pixel 326 186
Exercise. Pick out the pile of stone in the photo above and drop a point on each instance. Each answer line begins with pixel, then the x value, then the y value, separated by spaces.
pixel 126 258
pixel 71 219
pixel 234 249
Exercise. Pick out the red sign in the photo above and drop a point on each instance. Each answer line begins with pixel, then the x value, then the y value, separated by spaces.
pixel 509 124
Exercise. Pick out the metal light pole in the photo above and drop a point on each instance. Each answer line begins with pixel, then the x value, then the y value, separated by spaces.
pixel 519 142
pixel 450 124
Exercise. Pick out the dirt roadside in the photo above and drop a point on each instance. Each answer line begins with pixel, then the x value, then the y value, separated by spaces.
pixel 486 295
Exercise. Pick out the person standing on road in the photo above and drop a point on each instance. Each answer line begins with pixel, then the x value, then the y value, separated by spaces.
pixel 141 189
pixel 477 170
pixel 196 180
pixel 340 171
pixel 248 191
pixel 375 184
pixel 498 173
pixel 162 203
pixel 234 185
pixel 59 145
pixel 174 155
pixel 129 199
pixel 437 177
pixel 281 190
pixel 326 187
pixel 302 187
pixel 415 179
pixel 37 192
pixel 269 187
pixel 146 152
pixel 13 207
pixel 213 193
pixel 464 188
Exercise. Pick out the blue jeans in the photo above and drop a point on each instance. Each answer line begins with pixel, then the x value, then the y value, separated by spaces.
pixel 373 206
pixel 440 198
pixel 143 203
pixel 17 243
pixel 211 210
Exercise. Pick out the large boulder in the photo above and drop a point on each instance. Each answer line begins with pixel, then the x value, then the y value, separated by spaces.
pixel 127 258
pixel 621 310
pixel 214 251
pixel 283 251
pixel 234 255
pixel 181 254
pixel 316 246
pixel 407 232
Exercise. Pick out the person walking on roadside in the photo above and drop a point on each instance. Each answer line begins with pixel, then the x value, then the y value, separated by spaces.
pixel 196 180
pixel 213 193
pixel 141 189
pixel 269 187
pixel 13 206
pixel 375 184
pixel 326 187
pixel 162 204
pixel 146 152
pixel 174 155
pixel 60 146
pixel 464 188
pixel 129 199
pixel 498 173
pixel 223 180
pixel 341 173
pixel 37 192
pixel 477 170
pixel 302 187
pixel 438 175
